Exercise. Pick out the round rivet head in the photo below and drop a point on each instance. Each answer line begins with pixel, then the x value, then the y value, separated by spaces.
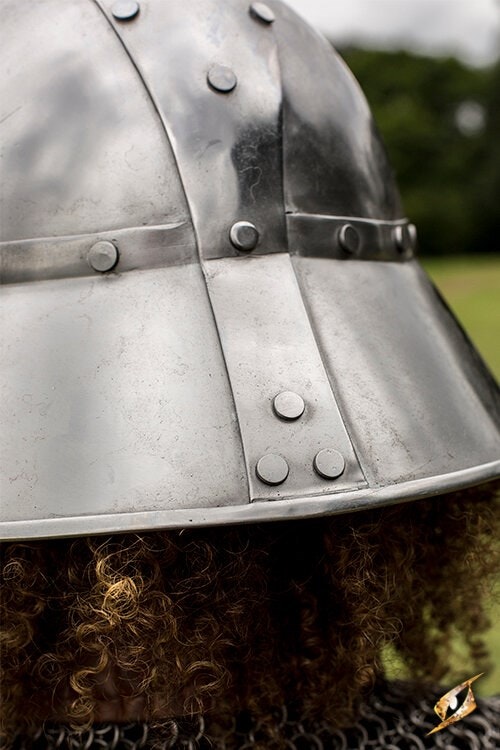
pixel 221 78
pixel 262 11
pixel 272 469
pixel 329 463
pixel 244 235
pixel 289 405
pixel 405 237
pixel 349 239
pixel 103 256
pixel 125 10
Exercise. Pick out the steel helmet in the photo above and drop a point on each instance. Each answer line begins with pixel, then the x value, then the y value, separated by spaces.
pixel 212 312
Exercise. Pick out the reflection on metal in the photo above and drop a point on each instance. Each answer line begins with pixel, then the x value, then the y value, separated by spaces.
pixel 228 147
pixel 244 235
pixel 289 405
pixel 125 10
pixel 405 377
pixel 272 469
pixel 103 256
pixel 263 12
pixel 221 78
pixel 118 399
pixel 329 463
pixel 334 160
pixel 449 701
pixel 98 159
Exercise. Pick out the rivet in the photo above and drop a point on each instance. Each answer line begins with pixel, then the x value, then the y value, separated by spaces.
pixel 244 235
pixel 221 78
pixel 272 469
pixel 262 11
pixel 289 405
pixel 329 463
pixel 405 237
pixel 103 256
pixel 125 10
pixel 349 239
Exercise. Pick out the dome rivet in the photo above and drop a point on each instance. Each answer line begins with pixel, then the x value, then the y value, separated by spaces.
pixel 244 235
pixel 221 78
pixel 103 256
pixel 349 239
pixel 272 469
pixel 405 237
pixel 125 10
pixel 263 12
pixel 288 405
pixel 329 463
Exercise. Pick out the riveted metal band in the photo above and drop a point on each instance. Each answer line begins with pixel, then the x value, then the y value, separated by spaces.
pixel 269 347
pixel 66 257
pixel 323 236
pixel 173 244
pixel 227 140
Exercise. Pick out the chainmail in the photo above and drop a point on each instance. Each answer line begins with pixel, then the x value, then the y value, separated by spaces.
pixel 391 719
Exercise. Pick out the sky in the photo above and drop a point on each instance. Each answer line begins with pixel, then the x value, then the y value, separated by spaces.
pixel 468 29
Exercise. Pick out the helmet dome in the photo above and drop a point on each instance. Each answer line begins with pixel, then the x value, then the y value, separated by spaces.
pixel 212 312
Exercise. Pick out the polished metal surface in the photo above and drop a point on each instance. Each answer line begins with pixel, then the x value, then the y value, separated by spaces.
pixel 263 12
pixel 83 148
pixel 288 405
pixel 272 469
pixel 115 399
pixel 416 397
pixel 329 463
pixel 334 160
pixel 125 10
pixel 244 235
pixel 146 394
pixel 103 256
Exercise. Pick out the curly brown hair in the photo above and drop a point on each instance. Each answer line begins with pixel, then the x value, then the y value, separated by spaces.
pixel 243 618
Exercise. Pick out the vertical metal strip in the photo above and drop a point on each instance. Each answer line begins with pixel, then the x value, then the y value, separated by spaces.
pixel 217 87
pixel 270 348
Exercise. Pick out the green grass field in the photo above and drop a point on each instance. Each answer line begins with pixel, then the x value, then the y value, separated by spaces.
pixel 471 286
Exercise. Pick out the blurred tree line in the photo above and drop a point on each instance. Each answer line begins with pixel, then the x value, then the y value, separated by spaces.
pixel 440 121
